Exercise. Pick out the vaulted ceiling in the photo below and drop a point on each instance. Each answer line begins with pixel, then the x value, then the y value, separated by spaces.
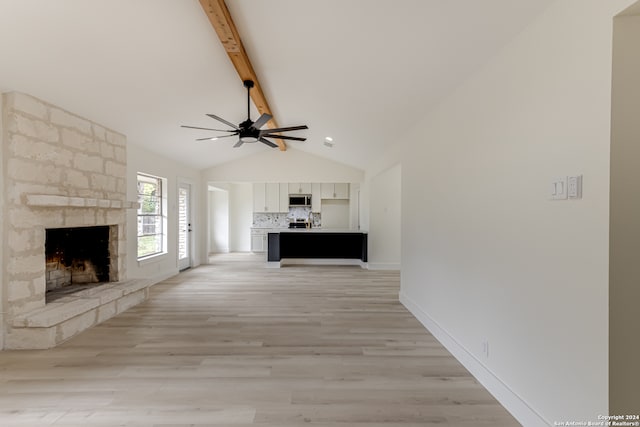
pixel 360 71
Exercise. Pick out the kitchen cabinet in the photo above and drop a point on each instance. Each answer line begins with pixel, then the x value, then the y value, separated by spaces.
pixel 299 188
pixel 335 190
pixel 316 195
pixel 284 197
pixel 259 240
pixel 341 190
pixel 266 197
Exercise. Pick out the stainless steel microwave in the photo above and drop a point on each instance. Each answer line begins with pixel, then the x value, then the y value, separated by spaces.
pixel 300 200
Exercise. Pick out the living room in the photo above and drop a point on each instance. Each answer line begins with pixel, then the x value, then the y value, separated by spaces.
pixel 523 290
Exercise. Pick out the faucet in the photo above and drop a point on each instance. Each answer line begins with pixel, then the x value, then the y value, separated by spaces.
pixel 310 220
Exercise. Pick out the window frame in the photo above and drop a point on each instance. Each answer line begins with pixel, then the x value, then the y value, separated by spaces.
pixel 160 215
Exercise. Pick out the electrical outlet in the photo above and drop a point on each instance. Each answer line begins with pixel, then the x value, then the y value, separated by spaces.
pixel 574 187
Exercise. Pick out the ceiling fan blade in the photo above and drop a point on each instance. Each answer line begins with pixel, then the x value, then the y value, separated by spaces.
pixel 213 138
pixel 220 119
pixel 217 130
pixel 292 138
pixel 262 132
pixel 267 142
pixel 238 144
pixel 262 120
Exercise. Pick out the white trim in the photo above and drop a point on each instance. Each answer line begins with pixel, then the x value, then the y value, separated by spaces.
pixel 513 403
pixel 191 214
pixel 164 276
pixel 150 259
pixel 384 266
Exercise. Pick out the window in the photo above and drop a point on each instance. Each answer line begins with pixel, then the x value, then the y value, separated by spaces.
pixel 151 216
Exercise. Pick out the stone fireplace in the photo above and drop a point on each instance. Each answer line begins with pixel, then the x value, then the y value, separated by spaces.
pixel 61 172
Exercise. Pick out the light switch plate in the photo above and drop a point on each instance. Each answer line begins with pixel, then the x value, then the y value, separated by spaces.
pixel 558 189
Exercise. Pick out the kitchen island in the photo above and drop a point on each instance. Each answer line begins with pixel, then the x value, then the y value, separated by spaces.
pixel 317 246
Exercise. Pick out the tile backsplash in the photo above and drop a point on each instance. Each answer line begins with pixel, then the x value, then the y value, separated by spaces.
pixel 281 220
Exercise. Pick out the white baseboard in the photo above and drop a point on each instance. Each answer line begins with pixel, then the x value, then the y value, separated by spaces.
pixel 164 276
pixel 384 266
pixel 322 261
pixel 513 403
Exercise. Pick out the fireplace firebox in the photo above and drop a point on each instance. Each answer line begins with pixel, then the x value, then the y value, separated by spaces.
pixel 78 256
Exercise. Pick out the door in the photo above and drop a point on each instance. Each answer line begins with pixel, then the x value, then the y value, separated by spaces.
pixel 184 226
pixel 341 190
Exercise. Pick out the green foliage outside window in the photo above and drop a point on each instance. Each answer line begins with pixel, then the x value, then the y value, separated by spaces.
pixel 150 218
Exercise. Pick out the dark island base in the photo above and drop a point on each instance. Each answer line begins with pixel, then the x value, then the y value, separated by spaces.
pixel 320 245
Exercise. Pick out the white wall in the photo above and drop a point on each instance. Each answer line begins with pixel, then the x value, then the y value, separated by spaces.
pixel 230 217
pixel 163 266
pixel 624 261
pixel 289 166
pixel 218 221
pixel 240 216
pixel 385 219
pixel 486 256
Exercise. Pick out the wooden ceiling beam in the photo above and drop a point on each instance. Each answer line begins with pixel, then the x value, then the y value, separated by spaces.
pixel 222 23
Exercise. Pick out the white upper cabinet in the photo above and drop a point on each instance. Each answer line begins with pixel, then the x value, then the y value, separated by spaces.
pixel 316 195
pixel 335 191
pixel 284 197
pixel 273 197
pixel 266 197
pixel 299 188
pixel 327 190
pixel 259 193
pixel 341 190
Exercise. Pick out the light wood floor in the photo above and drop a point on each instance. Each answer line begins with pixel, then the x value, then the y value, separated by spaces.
pixel 234 343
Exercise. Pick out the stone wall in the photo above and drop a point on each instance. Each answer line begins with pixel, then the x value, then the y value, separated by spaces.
pixel 61 170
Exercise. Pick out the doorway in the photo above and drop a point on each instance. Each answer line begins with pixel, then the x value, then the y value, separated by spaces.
pixel 624 214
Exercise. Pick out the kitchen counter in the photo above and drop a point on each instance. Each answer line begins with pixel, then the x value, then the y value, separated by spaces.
pixel 330 245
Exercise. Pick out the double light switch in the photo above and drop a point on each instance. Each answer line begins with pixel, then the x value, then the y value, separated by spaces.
pixel 567 187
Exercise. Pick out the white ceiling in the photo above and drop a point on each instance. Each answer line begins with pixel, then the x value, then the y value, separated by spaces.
pixel 359 70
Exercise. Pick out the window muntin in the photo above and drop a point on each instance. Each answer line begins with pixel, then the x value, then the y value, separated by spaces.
pixel 151 216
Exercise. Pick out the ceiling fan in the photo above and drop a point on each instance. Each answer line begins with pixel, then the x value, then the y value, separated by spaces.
pixel 249 131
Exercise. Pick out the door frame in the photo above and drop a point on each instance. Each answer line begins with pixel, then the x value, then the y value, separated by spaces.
pixel 188 262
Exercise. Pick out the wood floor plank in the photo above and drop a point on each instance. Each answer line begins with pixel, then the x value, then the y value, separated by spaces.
pixel 235 343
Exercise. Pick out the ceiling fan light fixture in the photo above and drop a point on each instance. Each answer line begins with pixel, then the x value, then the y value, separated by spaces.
pixel 249 139
pixel 250 131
